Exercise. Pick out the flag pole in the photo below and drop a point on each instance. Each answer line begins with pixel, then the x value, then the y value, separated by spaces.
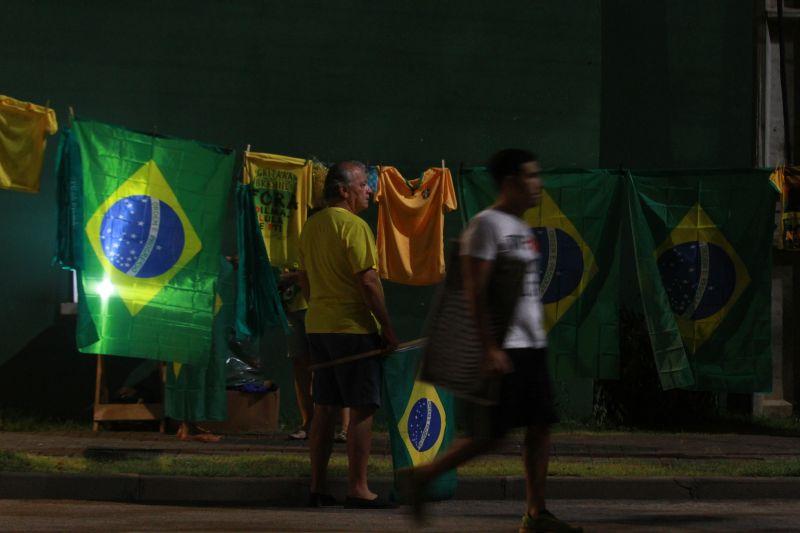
pixel 402 347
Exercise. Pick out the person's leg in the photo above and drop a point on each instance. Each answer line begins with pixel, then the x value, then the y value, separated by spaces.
pixel 320 445
pixel 359 444
pixel 302 389
pixel 345 418
pixel 536 456
pixel 461 451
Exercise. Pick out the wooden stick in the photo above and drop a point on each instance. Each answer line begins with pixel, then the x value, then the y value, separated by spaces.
pixel 372 353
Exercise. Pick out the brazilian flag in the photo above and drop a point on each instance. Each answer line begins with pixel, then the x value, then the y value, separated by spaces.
pixel 703 244
pixel 197 393
pixel 577 227
pixel 152 218
pixel 421 419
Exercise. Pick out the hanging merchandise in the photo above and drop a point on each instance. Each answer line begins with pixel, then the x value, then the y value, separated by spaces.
pixel 196 393
pixel 787 180
pixel 702 243
pixel 576 226
pixel 151 227
pixel 23 131
pixel 258 304
pixel 411 225
pixel 319 171
pixel 281 188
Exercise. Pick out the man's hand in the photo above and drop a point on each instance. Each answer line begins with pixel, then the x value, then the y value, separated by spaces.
pixel 497 362
pixel 390 340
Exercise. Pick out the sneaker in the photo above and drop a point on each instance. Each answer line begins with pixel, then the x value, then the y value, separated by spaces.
pixel 300 434
pixel 340 436
pixel 546 521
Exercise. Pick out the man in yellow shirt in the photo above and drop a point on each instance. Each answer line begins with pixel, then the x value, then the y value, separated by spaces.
pixel 346 310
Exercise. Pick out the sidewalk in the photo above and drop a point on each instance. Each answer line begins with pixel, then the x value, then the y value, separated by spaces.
pixel 285 491
pixel 564 445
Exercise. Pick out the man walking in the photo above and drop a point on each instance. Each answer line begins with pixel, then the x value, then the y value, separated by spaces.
pixel 346 309
pixel 525 397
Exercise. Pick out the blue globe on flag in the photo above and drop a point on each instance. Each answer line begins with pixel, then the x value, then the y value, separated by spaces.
pixel 424 424
pixel 142 236
pixel 561 266
pixel 700 278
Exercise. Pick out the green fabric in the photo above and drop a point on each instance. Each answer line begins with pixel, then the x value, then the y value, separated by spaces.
pixel 196 393
pixel 258 302
pixel 717 292
pixel 153 209
pixel 421 419
pixel 577 228
pixel 476 192
pixel 673 367
pixel 70 202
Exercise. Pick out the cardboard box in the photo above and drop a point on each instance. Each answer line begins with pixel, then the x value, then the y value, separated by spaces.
pixel 249 412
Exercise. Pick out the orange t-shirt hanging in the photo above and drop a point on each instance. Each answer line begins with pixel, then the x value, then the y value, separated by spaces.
pixel 411 225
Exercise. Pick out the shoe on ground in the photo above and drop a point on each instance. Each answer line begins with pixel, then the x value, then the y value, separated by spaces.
pixel 300 434
pixel 352 502
pixel 340 436
pixel 546 521
pixel 319 499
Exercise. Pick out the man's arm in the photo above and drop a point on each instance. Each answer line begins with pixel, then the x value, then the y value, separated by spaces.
pixel 475 273
pixel 371 290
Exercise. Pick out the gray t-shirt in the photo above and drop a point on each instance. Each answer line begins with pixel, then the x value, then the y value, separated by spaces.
pixel 492 233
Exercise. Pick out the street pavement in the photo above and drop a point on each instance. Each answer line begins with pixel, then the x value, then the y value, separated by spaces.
pixel 501 516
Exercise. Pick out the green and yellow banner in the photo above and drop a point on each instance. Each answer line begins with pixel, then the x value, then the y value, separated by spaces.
pixel 152 218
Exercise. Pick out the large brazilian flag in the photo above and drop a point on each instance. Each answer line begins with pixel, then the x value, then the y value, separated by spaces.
pixel 703 251
pixel 577 230
pixel 421 419
pixel 152 218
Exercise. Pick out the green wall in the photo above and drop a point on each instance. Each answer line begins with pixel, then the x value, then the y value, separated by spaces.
pixel 677 88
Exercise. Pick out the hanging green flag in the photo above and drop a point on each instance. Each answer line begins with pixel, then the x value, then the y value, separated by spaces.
pixel 258 302
pixel 708 234
pixel 420 417
pixel 197 392
pixel 576 226
pixel 153 210
pixel 476 191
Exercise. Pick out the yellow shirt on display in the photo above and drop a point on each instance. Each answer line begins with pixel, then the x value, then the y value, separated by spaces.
pixel 23 131
pixel 411 225
pixel 282 195
pixel 335 246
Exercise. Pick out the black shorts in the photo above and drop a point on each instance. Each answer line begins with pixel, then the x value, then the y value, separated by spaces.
pixel 526 397
pixel 354 384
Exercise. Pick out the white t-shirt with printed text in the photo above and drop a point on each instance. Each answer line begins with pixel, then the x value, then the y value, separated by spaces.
pixel 492 233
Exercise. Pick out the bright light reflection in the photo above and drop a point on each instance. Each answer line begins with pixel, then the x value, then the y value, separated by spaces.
pixel 105 288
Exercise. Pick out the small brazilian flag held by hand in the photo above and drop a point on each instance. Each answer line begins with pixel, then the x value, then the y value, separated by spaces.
pixel 421 419
pixel 153 211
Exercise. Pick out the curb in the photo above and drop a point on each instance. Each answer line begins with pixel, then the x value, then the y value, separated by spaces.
pixel 135 488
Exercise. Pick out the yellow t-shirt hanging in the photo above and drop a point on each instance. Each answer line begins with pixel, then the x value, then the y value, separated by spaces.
pixel 23 131
pixel 318 174
pixel 282 195
pixel 411 225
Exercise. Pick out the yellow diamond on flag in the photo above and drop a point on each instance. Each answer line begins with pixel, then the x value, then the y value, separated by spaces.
pixel 567 262
pixel 423 423
pixel 141 237
pixel 702 275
